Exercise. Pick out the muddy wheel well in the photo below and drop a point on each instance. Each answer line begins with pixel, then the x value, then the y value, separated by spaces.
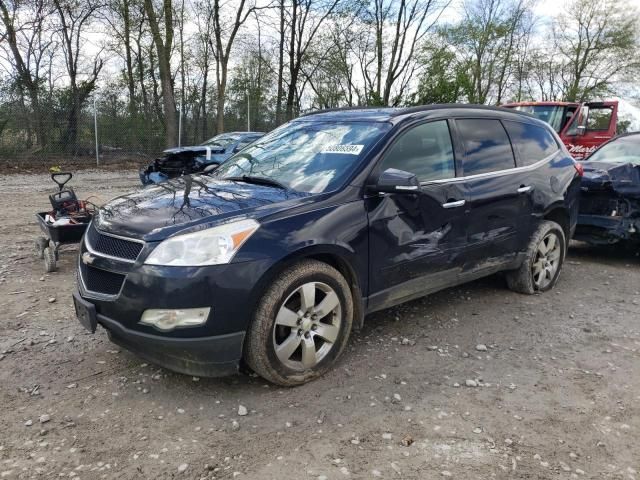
pixel 561 217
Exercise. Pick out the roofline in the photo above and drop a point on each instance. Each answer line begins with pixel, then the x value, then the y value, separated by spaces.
pixel 534 103
pixel 400 111
pixel 340 109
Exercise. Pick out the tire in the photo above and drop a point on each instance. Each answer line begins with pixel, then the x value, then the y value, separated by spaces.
pixel 39 245
pixel 290 341
pixel 540 271
pixel 49 259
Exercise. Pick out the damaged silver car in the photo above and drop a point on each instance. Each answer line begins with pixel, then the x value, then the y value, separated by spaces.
pixel 610 193
pixel 179 161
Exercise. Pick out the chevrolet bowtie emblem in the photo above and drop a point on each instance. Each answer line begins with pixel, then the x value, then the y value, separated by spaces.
pixel 87 258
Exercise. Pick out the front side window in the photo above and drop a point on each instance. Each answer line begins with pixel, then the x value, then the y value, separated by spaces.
pixel 533 143
pixel 486 144
pixel 425 150
pixel 305 155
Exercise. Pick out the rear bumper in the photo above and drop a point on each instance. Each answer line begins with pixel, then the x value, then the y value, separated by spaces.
pixel 198 356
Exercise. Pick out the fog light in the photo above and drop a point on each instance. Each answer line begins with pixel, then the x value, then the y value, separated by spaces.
pixel 166 320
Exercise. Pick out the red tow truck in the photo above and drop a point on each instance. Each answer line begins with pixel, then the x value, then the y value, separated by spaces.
pixel 582 127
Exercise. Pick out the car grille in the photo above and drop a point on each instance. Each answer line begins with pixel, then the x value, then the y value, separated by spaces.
pixel 96 280
pixel 112 246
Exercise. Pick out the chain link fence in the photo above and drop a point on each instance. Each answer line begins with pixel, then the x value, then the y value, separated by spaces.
pixel 100 133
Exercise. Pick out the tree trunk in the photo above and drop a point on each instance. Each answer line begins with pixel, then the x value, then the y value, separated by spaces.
pixel 25 78
pixel 293 71
pixel 163 48
pixel 280 67
pixel 203 105
pixel 128 57
pixel 222 87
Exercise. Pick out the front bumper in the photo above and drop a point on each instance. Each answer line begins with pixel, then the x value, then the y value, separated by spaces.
pixel 604 229
pixel 211 356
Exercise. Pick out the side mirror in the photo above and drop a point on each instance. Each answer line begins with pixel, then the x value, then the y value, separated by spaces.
pixel 393 180
pixel 210 168
pixel 581 129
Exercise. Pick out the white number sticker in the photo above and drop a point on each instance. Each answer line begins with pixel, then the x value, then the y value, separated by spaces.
pixel 344 149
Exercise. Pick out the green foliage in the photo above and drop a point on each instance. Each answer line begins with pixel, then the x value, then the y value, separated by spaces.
pixel 442 79
pixel 623 126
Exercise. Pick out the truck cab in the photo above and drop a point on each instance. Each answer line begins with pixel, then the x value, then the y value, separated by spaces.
pixel 582 127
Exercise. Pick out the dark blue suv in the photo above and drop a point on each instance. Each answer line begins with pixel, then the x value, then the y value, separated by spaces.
pixel 273 258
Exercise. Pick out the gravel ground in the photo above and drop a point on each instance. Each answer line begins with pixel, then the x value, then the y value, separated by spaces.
pixel 474 382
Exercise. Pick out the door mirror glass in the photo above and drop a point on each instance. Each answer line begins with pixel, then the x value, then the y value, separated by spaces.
pixel 393 180
pixel 210 168
pixel 581 129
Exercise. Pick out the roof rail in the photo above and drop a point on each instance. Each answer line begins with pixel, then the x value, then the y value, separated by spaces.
pixel 344 109
pixel 397 111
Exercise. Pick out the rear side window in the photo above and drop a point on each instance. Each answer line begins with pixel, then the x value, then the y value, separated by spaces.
pixel 487 146
pixel 424 150
pixel 532 142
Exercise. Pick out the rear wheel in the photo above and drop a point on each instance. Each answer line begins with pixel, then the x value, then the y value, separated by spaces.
pixel 39 245
pixel 50 259
pixel 301 325
pixel 544 258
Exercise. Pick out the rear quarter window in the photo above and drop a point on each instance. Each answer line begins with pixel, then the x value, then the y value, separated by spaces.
pixel 533 143
pixel 487 146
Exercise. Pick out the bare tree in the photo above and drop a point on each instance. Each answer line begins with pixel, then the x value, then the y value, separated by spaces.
pixel 204 22
pixel 163 46
pixel 598 43
pixel 124 18
pixel 396 28
pixel 281 47
pixel 486 40
pixel 29 55
pixel 304 20
pixel 224 36
pixel 73 18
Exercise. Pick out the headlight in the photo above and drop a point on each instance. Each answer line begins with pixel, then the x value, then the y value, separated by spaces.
pixel 213 246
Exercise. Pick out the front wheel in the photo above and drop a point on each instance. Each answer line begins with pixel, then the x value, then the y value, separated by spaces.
pixel 544 258
pixel 301 325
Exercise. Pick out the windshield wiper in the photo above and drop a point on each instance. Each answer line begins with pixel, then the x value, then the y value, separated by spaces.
pixel 257 180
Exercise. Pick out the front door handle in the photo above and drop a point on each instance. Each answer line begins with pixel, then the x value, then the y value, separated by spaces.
pixel 454 204
pixel 525 188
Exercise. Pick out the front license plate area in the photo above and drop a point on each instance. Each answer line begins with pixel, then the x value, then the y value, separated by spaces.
pixel 86 313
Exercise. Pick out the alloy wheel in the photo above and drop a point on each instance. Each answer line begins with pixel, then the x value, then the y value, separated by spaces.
pixel 307 326
pixel 547 260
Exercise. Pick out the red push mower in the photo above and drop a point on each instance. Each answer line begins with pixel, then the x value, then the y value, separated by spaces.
pixel 63 225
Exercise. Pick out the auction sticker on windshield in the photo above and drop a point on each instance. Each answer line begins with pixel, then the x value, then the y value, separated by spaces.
pixel 347 149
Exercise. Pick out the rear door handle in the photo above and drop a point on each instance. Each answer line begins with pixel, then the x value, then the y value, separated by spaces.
pixel 454 204
pixel 525 189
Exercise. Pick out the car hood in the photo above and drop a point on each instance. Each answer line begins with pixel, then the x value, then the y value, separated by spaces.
pixel 620 177
pixel 158 211
pixel 199 149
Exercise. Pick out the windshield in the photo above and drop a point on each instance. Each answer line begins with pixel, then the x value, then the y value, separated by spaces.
pixel 306 156
pixel 621 150
pixel 552 114
pixel 219 141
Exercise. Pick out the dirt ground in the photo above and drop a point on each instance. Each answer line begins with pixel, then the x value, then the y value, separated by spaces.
pixel 556 395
